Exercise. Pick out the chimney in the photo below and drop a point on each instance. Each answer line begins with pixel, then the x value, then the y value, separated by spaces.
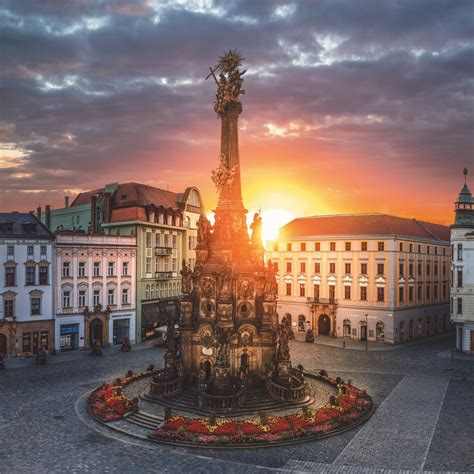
pixel 66 201
pixel 38 212
pixel 47 212
pixel 94 214
pixel 107 207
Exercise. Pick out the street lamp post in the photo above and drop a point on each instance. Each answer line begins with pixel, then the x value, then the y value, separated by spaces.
pixel 366 332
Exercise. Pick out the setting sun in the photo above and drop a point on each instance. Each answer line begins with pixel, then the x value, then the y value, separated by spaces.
pixel 272 221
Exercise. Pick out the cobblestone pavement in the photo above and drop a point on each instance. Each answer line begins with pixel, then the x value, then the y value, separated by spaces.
pixel 424 418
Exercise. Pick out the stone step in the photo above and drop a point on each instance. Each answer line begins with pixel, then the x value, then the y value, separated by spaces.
pixel 145 420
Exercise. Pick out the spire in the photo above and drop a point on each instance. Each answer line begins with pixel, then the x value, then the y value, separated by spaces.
pixel 464 206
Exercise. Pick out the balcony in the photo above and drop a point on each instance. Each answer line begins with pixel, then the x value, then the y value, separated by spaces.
pixel 163 251
pixel 163 275
pixel 328 301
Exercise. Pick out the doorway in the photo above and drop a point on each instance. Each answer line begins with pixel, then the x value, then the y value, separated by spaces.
pixel 363 332
pixel 3 344
pixel 96 331
pixel 121 330
pixel 323 325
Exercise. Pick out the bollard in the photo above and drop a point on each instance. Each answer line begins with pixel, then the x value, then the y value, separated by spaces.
pixel 343 344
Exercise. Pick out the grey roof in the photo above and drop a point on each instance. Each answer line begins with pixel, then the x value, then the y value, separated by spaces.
pixel 23 224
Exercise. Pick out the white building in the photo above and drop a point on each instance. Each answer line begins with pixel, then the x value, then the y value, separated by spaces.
pixel 462 287
pixel 95 289
pixel 363 276
pixel 26 289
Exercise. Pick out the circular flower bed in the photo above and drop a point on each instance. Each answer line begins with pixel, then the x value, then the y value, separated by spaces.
pixel 350 407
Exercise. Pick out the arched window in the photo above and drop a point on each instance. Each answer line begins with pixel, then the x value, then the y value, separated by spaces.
pixel 152 293
pixel 174 289
pixel 161 291
pixel 147 292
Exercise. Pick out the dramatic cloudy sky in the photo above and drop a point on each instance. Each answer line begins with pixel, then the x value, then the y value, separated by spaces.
pixel 351 106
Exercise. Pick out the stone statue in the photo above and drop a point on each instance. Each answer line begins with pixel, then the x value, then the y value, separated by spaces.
pixel 204 229
pixel 271 287
pixel 256 227
pixel 171 338
pixel 223 351
pixel 186 281
pixel 229 85
pixel 223 174
pixel 283 351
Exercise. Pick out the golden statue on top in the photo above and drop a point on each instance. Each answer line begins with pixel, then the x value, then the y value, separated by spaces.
pixel 229 84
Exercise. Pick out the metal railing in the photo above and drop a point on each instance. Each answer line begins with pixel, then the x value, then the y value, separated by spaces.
pixel 163 251
pixel 318 300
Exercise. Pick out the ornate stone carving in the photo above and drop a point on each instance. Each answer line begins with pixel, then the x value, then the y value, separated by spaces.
pixel 256 227
pixel 208 287
pixel 271 287
pixel 186 281
pixel 204 229
pixel 245 289
pixel 223 174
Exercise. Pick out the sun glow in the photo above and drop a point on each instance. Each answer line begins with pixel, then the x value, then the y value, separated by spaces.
pixel 272 221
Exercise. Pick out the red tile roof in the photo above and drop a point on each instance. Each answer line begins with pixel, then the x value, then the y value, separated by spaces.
pixel 364 224
pixel 133 194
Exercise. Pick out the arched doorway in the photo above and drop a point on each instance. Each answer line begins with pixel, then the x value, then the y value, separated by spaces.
pixel 207 370
pixel 380 331
pixel 323 325
pixel 3 344
pixel 346 328
pixel 301 323
pixel 96 331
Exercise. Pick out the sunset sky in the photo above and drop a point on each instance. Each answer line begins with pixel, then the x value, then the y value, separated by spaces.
pixel 350 106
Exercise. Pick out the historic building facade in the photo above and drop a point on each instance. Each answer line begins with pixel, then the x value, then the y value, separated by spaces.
pixel 164 225
pixel 375 276
pixel 95 289
pixel 462 270
pixel 26 287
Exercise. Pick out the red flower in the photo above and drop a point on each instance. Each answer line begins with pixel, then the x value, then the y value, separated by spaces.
pixel 249 428
pixel 280 425
pixel 197 426
pixel 227 428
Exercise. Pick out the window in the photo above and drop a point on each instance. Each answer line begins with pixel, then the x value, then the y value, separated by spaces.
pixel 288 289
pixel 380 294
pixel 175 241
pixel 380 269
pixel 302 289
pixel 43 250
pixel 428 296
pixel 332 267
pixel 363 268
pixel 124 295
pixel 110 296
pixel 275 266
pixel 10 276
pixel 317 246
pixel 436 269
pixel 332 293
pixel 435 292
pixel 303 246
pixel 410 269
pixel 401 268
pixel 436 250
pixel 111 269
pixel 420 269
pixel 175 264
pixel 363 246
pixel 26 342
pixel 444 291
pixel 82 269
pixel 444 269
pixel 30 275
pixel 124 268
pixel 428 249
pixel 148 240
pixel 96 269
pixel 82 298
pixel 410 293
pixel 411 247
pixel 275 246
pixel 459 279
pixel 8 308
pixel 288 267
pixel 459 305
pixel 316 292
pixel 317 267
pixel 10 250
pixel 348 246
pixel 167 240
pixel 66 299
pixel 420 292
pixel 401 294
pixel 401 246
pixel 347 292
pixel 363 293
pixel 380 246
pixel 66 269
pixel 428 269
pixel 148 265
pixel 302 267
pixel 419 248
pixel 31 250
pixel 43 275
pixel 347 268
pixel 460 252
pixel 288 247
pixel 332 246
pixel 96 297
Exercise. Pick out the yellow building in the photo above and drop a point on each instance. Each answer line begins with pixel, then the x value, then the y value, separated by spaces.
pixel 363 276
